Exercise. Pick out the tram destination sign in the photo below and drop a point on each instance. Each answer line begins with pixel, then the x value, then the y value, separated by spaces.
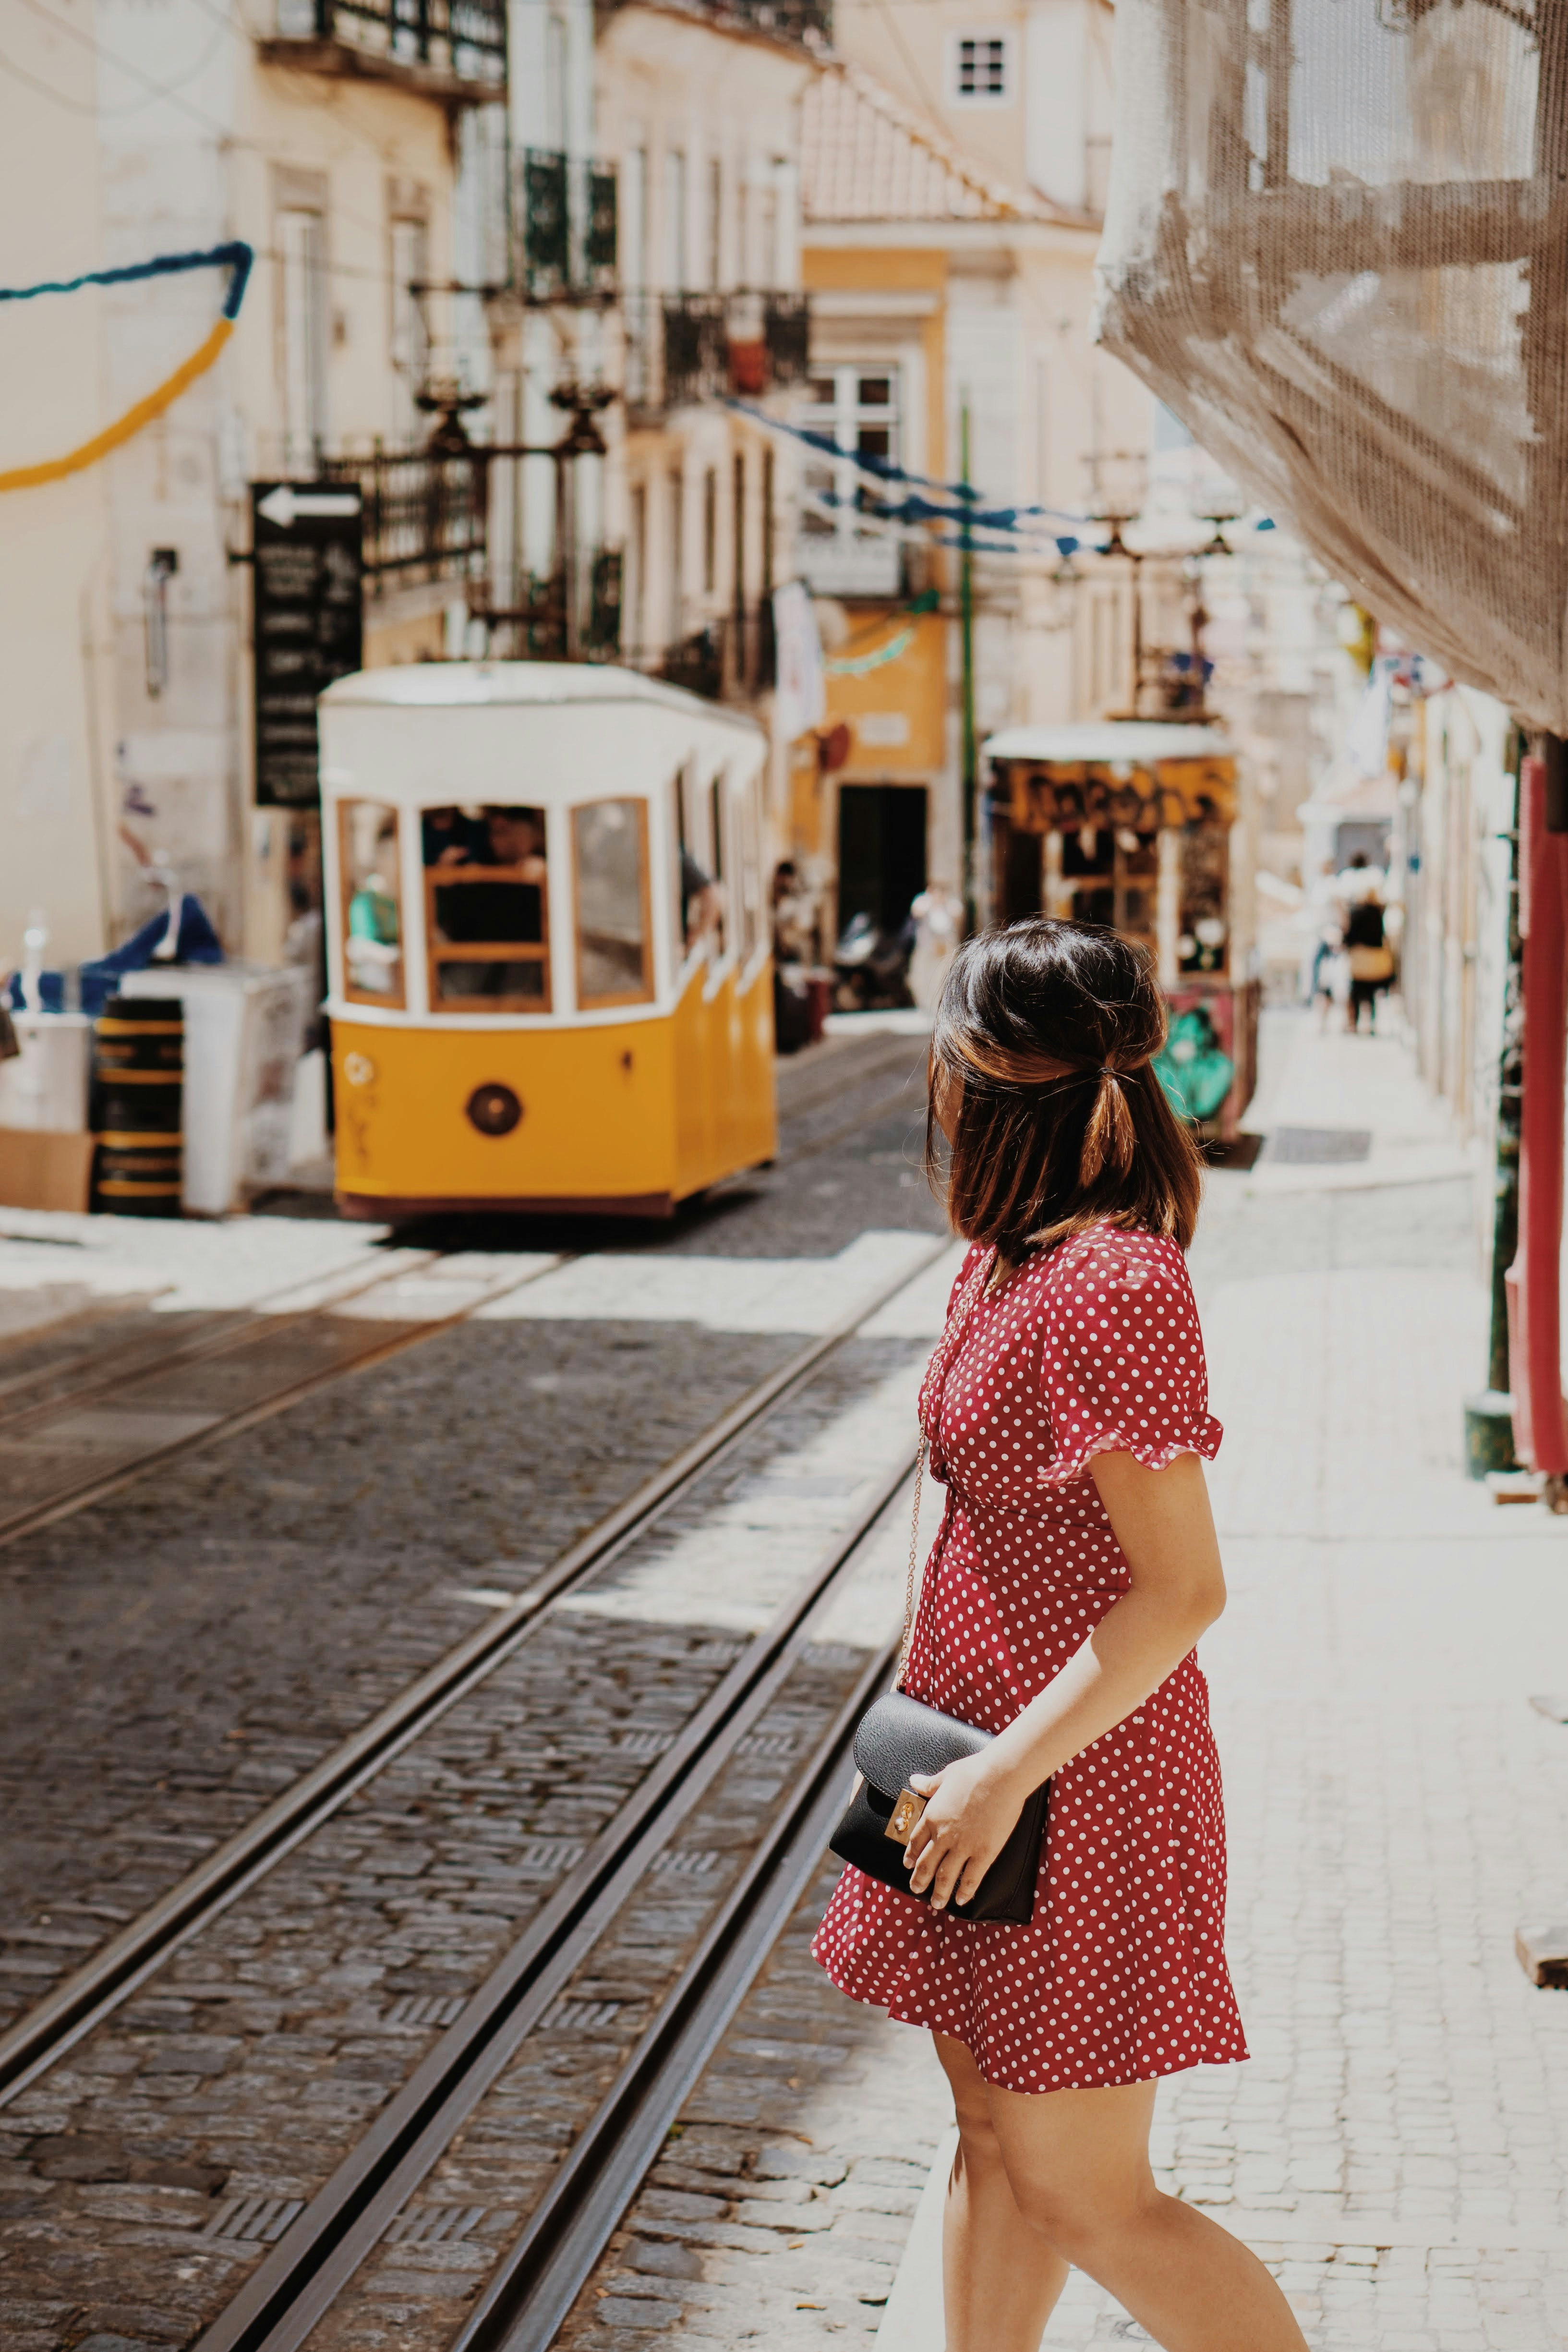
pixel 307 624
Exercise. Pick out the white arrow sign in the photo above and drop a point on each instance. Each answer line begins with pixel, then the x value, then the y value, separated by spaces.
pixel 285 505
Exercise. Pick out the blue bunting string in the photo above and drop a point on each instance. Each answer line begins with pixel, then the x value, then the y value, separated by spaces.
pixel 884 470
pixel 236 256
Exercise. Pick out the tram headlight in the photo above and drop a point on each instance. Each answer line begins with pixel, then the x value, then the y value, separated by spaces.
pixel 494 1109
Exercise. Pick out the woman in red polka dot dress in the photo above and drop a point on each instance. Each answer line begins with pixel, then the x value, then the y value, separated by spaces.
pixel 1067 1414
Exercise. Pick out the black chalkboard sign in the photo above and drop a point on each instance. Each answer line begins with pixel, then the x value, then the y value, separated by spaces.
pixel 309 624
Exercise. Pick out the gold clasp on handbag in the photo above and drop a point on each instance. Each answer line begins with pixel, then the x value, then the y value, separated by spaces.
pixel 903 1816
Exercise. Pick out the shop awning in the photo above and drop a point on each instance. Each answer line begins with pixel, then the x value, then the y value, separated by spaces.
pixel 1139 742
pixel 1134 771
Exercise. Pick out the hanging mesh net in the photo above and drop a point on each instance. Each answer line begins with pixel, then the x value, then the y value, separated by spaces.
pixel 1337 247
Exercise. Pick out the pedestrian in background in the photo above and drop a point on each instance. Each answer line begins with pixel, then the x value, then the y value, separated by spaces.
pixel 1369 957
pixel 1066 1410
pixel 938 917
pixel 1325 917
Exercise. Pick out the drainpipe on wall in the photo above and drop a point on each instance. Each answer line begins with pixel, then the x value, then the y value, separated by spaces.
pixel 1539 1423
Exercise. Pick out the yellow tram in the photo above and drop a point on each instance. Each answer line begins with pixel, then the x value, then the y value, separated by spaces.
pixel 548 964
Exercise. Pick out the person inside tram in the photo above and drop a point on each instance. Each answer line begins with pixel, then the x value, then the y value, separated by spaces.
pixel 490 892
pixel 515 837
pixel 373 947
pixel 454 836
pixel 702 916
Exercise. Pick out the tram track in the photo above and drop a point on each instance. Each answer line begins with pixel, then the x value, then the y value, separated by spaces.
pixel 48 2030
pixel 901 1058
pixel 52 1443
pixel 149 1413
pixel 96 1369
pixel 533 2288
pixel 538 2273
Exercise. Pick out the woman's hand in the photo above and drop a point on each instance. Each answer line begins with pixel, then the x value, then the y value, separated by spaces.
pixel 971 1811
pixel 1162 1521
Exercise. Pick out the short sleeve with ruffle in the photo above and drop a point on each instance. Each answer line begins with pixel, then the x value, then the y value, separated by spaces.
pixel 1121 1366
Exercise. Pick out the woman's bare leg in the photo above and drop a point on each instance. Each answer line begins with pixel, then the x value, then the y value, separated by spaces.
pixel 999 2278
pixel 1078 2166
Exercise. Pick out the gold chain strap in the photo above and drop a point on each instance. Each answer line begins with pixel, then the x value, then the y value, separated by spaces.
pixel 913 1565
pixel 946 1352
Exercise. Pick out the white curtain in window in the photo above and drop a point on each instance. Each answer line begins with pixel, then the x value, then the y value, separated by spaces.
pixel 301 249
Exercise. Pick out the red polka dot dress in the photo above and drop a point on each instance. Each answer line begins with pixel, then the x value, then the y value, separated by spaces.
pixel 1094 1348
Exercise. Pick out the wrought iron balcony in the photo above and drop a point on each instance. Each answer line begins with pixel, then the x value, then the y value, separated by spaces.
pixel 684 347
pixel 554 615
pixel 426 514
pixel 454 50
pixel 789 20
pixel 734 659
pixel 563 227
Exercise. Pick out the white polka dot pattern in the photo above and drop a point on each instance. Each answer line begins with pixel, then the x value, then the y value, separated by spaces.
pixel 1120 1975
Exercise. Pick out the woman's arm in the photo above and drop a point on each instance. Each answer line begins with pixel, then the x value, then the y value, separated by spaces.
pixel 1162 1520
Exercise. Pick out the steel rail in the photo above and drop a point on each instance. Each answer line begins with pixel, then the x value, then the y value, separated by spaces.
pixel 96 1485
pixel 319 2253
pixel 543 2273
pixel 880 1065
pixel 882 1109
pixel 208 1332
pixel 81 2000
pixel 217 1333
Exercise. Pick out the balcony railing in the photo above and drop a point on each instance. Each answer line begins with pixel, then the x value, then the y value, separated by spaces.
pixel 732 660
pixel 563 226
pixel 425 516
pixel 851 563
pixel 790 20
pixel 684 347
pixel 456 48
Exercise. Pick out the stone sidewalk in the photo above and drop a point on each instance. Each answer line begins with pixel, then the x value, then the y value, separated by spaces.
pixel 1396 2147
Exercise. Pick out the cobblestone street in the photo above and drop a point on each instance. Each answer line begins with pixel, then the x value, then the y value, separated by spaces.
pixel 183 1649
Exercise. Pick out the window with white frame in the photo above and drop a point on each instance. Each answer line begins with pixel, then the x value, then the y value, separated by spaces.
pixel 302 322
pixel 678 274
pixel 410 272
pixel 844 550
pixel 982 69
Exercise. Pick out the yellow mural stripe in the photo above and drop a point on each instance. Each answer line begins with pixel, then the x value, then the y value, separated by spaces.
pixel 125 428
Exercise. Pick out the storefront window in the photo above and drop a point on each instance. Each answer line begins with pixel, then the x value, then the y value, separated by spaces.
pixel 371 890
pixel 486 908
pixel 614 951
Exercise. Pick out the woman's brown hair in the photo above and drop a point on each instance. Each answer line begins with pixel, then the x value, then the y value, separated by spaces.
pixel 1046 1034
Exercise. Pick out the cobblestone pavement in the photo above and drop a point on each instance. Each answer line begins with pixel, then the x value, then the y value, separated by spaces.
pixel 143 2176
pixel 1396 2146
pixel 179 1653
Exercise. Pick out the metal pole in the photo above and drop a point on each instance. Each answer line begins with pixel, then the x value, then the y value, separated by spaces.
pixel 1505 1228
pixel 1489 1413
pixel 1541 1428
pixel 966 641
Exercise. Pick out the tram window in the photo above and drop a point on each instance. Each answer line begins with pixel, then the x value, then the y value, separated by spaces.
pixel 486 908
pixel 750 874
pixel 720 867
pixel 682 866
pixel 372 887
pixel 614 950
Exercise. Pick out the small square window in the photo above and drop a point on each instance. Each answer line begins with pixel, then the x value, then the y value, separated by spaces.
pixel 980 63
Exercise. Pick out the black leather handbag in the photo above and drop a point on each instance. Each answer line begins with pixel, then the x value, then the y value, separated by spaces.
pixel 899 1737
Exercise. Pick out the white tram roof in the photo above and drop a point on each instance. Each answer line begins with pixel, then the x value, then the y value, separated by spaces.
pixel 1138 742
pixel 489 685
